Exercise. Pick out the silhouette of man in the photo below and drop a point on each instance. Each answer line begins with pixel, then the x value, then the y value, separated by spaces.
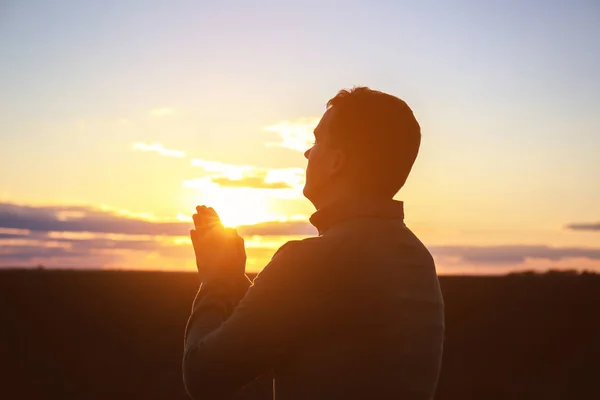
pixel 355 313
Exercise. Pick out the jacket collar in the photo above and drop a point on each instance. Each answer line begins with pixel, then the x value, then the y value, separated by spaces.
pixel 340 211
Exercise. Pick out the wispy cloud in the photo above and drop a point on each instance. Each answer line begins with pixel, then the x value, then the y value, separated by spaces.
pixel 22 221
pixel 584 226
pixel 513 254
pixel 232 175
pixel 91 253
pixel 158 148
pixel 255 182
pixel 82 236
pixel 231 171
pixel 162 112
pixel 295 135
pixel 11 232
pixel 83 219
pixel 86 252
pixel 11 235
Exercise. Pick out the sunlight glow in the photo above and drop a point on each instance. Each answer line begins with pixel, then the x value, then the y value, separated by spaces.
pixel 230 171
pixel 295 135
pixel 162 112
pixel 235 206
pixel 243 205
pixel 158 148
pixel 130 214
pixel 292 176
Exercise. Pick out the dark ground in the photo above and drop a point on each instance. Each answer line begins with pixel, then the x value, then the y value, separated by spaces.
pixel 118 335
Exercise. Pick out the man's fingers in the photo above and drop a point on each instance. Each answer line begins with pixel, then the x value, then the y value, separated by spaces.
pixel 208 236
pixel 209 212
pixel 212 213
pixel 203 219
pixel 198 221
pixel 205 216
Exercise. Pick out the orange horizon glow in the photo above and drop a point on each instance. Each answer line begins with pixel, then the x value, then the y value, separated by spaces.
pixel 105 151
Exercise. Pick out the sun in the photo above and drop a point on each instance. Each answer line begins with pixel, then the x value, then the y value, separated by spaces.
pixel 235 212
pixel 239 206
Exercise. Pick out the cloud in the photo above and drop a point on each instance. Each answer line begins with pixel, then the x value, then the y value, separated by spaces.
pixel 584 227
pixel 295 135
pixel 38 249
pixel 513 254
pixel 9 233
pixel 91 249
pixel 18 254
pixel 57 233
pixel 18 221
pixel 10 236
pixel 229 170
pixel 233 175
pixel 162 112
pixel 88 252
pixel 81 236
pixel 255 182
pixel 98 253
pixel 82 219
pixel 57 250
pixel 84 236
pixel 158 148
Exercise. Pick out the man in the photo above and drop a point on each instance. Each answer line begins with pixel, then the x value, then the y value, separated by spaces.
pixel 355 313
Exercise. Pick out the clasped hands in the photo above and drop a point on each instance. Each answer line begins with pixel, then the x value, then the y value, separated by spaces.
pixel 219 251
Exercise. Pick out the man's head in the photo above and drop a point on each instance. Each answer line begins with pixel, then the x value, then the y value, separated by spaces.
pixel 365 145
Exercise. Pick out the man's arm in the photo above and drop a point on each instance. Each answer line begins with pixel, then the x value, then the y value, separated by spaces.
pixel 228 346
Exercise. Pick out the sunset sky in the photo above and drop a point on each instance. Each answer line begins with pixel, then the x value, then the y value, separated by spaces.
pixel 117 118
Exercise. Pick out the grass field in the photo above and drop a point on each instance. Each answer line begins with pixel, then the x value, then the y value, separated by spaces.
pixel 119 335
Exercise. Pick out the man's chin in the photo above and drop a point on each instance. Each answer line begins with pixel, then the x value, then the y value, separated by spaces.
pixel 309 193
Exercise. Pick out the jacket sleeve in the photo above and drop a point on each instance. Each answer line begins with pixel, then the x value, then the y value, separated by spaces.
pixel 227 346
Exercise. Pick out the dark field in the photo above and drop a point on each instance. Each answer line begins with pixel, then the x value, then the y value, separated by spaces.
pixel 118 335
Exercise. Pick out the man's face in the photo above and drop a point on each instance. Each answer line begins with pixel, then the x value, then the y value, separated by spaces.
pixel 323 162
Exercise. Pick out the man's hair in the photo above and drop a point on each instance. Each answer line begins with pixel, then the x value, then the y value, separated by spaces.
pixel 380 134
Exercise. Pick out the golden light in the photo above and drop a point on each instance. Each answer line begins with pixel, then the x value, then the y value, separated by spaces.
pixel 237 206
pixel 296 135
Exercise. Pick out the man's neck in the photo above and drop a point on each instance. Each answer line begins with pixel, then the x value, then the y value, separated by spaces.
pixel 349 196
pixel 356 207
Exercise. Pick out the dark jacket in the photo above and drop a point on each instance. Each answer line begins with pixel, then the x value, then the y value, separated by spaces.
pixel 355 313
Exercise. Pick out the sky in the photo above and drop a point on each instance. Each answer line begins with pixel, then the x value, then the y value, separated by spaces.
pixel 117 118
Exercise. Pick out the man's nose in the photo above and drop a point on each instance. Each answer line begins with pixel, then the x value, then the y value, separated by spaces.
pixel 307 153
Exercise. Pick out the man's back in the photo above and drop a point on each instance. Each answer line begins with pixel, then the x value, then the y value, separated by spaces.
pixel 380 312
pixel 354 313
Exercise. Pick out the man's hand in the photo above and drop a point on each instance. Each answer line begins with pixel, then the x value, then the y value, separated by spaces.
pixel 219 251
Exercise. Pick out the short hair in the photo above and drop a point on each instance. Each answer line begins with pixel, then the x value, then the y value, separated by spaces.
pixel 380 133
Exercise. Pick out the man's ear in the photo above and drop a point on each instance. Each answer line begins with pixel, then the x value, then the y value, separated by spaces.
pixel 338 161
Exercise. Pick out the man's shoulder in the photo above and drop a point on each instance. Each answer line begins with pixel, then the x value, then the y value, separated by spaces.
pixel 293 261
pixel 300 247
